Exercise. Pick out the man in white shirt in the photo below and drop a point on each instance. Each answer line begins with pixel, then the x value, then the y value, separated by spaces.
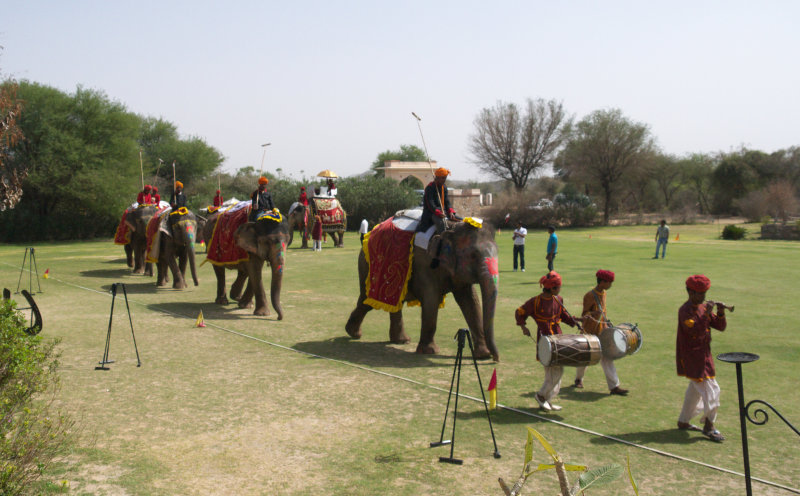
pixel 519 245
pixel 662 238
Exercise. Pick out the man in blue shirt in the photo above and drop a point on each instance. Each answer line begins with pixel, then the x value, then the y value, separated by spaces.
pixel 552 247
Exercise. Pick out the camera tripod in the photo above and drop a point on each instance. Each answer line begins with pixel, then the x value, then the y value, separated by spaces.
pixel 105 360
pixel 461 336
pixel 31 269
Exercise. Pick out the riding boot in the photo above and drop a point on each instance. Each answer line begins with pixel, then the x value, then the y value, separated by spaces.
pixel 434 250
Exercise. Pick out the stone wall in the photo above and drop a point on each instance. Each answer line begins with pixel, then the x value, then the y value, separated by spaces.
pixel 466 202
pixel 780 231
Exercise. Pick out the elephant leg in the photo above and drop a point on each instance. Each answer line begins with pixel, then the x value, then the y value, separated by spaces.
pixel 246 300
pixel 129 255
pixel 397 332
pixel 138 258
pixel 275 286
pixel 219 272
pixel 238 285
pixel 467 300
pixel 161 273
pixel 148 269
pixel 254 271
pixel 430 312
pixel 179 282
pixel 353 326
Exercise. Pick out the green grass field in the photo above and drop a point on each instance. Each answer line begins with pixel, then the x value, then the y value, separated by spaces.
pixel 252 405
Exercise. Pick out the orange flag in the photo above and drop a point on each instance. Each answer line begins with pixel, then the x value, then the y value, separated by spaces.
pixel 493 391
pixel 46 274
pixel 677 236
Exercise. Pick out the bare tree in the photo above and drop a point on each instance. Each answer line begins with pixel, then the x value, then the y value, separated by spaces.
pixel 10 135
pixel 603 149
pixel 512 144
pixel 781 200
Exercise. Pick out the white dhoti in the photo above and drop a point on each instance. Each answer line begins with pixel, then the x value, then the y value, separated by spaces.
pixel 552 382
pixel 701 397
pixel 608 368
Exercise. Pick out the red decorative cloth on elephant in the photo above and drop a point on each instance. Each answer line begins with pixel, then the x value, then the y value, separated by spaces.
pixel 388 252
pixel 156 224
pixel 123 234
pixel 331 213
pixel 222 249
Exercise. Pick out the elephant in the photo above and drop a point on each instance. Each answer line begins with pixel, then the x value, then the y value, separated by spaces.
pixel 137 222
pixel 178 242
pixel 264 240
pixel 300 219
pixel 334 218
pixel 467 256
pixel 219 270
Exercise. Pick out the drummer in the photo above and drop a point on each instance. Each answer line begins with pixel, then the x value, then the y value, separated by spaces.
pixel 595 320
pixel 547 310
pixel 693 357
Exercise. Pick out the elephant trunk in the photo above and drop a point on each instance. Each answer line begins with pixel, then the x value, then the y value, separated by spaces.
pixel 489 299
pixel 191 264
pixel 275 288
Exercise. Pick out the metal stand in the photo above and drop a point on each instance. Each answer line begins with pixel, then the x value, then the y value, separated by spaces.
pixel 31 269
pixel 461 336
pixel 105 360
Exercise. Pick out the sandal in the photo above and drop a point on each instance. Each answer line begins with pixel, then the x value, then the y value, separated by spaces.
pixel 688 427
pixel 714 435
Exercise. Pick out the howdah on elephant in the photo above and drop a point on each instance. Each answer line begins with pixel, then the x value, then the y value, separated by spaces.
pixel 467 255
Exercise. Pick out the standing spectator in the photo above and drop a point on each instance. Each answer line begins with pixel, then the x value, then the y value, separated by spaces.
pixel 316 233
pixel 364 229
pixel 662 237
pixel 552 247
pixel 218 200
pixel 519 245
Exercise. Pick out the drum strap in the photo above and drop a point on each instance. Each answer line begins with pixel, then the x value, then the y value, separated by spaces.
pixel 601 307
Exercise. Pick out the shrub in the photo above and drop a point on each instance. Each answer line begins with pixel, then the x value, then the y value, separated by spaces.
pixel 733 232
pixel 31 433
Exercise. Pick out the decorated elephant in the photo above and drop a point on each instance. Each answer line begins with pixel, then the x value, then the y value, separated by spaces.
pixel 224 257
pixel 176 240
pixel 332 215
pixel 300 219
pixel 266 239
pixel 137 221
pixel 467 255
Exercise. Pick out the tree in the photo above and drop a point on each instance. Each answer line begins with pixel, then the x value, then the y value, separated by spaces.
pixel 604 147
pixel 511 145
pixel 666 173
pixel 407 153
pixel 696 173
pixel 10 135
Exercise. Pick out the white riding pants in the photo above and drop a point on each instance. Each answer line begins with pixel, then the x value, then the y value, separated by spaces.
pixel 701 397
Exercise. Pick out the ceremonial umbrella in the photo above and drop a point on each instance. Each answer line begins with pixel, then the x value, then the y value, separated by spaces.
pixel 327 173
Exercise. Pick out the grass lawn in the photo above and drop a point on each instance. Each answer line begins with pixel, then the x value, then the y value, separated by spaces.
pixel 252 405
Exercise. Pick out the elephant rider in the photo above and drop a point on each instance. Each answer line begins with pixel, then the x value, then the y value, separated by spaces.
pixel 436 208
pixel 178 198
pixel 144 197
pixel 262 200
pixel 156 196
pixel 303 198
pixel 218 199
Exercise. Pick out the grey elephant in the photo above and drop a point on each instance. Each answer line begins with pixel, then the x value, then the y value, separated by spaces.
pixel 137 223
pixel 300 219
pixel 467 256
pixel 177 243
pixel 265 240
pixel 332 216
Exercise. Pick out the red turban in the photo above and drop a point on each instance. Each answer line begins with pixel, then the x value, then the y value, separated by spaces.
pixel 698 283
pixel 263 180
pixel 147 187
pixel 605 275
pixel 551 280
pixel 441 172
pixel 302 188
pixel 218 191
pixel 155 189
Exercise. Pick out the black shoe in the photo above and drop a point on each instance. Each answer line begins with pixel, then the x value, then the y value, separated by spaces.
pixel 618 390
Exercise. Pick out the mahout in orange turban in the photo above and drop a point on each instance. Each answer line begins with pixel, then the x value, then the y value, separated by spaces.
pixel 441 172
pixel 263 180
pixel 178 184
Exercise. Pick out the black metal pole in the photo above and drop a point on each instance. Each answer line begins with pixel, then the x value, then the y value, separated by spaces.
pixel 441 441
pixel 483 395
pixel 459 356
pixel 21 270
pixel 108 334
pixel 742 421
pixel 130 319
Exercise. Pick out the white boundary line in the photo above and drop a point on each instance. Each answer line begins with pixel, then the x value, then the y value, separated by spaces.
pixel 412 381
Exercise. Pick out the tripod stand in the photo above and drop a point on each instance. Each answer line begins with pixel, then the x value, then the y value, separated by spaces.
pixel 31 268
pixel 108 336
pixel 461 336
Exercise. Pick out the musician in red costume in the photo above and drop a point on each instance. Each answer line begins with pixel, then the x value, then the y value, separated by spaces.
pixel 693 357
pixel 547 310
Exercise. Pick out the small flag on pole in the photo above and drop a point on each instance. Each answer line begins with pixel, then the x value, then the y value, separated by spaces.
pixel 200 322
pixel 493 391
pixel 677 236
pixel 46 274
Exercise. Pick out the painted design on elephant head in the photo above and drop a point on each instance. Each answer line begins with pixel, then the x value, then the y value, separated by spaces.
pixel 491 264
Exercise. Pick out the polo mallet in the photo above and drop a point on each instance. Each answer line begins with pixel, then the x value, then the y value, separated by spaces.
pixel 430 165
pixel 263 156
pixel 141 166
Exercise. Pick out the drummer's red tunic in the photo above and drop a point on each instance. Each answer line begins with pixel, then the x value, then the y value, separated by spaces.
pixel 693 347
pixel 547 312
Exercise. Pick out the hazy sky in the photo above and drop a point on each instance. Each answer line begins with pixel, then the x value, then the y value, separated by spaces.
pixel 333 83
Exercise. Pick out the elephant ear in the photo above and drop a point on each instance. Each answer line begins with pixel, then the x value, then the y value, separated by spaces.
pixel 246 238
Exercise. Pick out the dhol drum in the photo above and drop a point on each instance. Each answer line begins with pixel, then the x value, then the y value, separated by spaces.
pixel 621 340
pixel 571 350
